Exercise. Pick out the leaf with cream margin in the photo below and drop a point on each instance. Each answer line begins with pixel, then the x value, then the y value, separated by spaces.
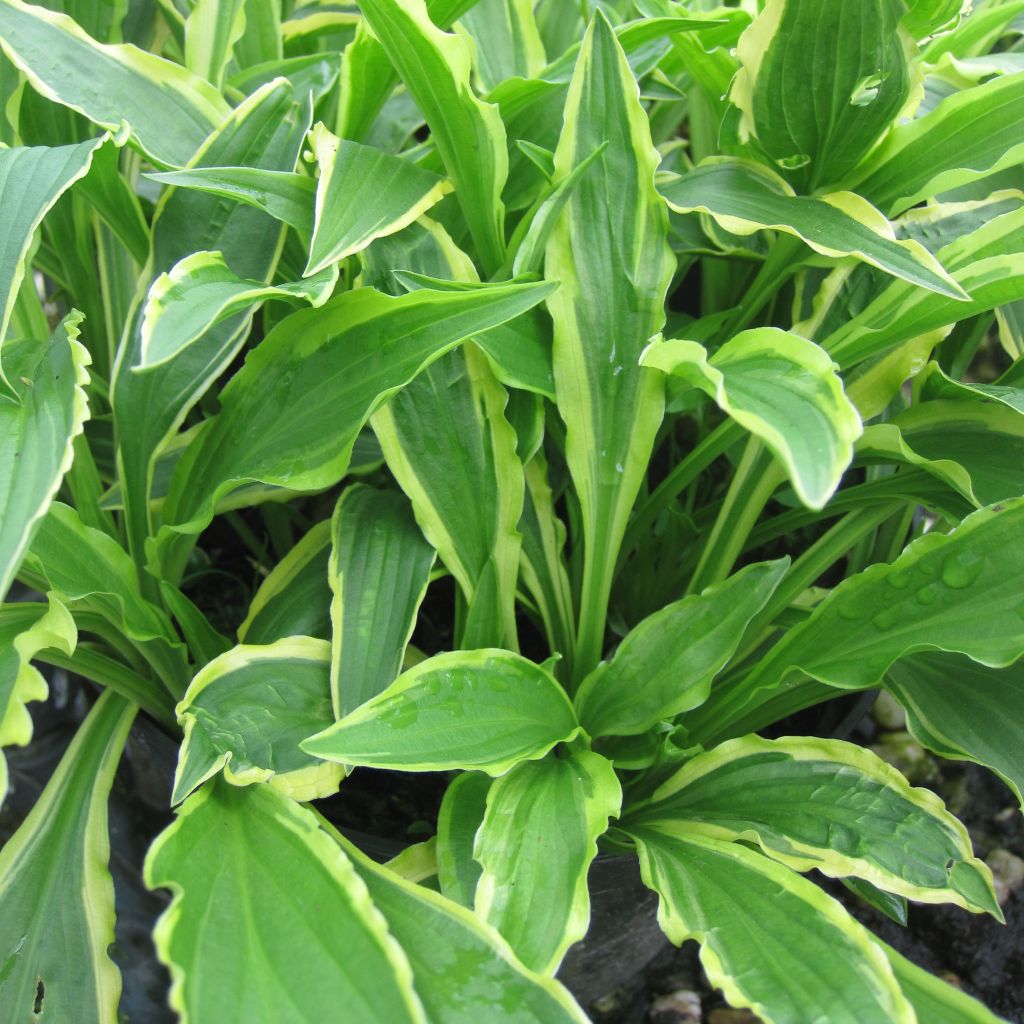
pixel 784 390
pixel 37 433
pixel 25 630
pixel 246 712
pixel 55 885
pixel 604 316
pixel 168 110
pixel 294 599
pixel 533 889
pixel 827 805
pixel 744 197
pixel 482 710
pixel 949 592
pixel 462 811
pixel 462 968
pixel 200 291
pixel 378 572
pixel 468 133
pixel 770 939
pixel 32 179
pixel 363 193
pixel 278 883
pixel 664 665
pixel 211 30
pixel 963 710
pixel 291 415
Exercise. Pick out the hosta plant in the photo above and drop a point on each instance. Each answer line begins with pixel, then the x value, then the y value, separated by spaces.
pixel 586 390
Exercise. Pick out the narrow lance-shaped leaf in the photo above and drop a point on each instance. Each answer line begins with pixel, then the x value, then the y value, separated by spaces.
pixel 964 710
pixel 536 843
pixel 506 40
pixel 279 884
pixel 379 568
pixel 782 388
pixel 169 111
pixel 832 806
pixel 211 31
pixel 292 414
pixel 363 193
pixel 294 599
pixel 469 134
pixel 743 197
pixel 32 179
pixel 665 665
pixel 615 265
pixel 954 592
pixel 480 970
pixel 462 811
pixel 37 434
pixel 784 949
pixel 852 57
pixel 25 630
pixel 485 710
pixel 200 291
pixel 245 714
pixel 58 898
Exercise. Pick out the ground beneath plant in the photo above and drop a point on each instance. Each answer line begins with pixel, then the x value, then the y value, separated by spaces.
pixel 983 957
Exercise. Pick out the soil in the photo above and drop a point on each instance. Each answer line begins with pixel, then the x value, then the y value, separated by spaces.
pixel 972 951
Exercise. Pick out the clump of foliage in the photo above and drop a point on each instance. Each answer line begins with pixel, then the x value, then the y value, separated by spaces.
pixel 632 339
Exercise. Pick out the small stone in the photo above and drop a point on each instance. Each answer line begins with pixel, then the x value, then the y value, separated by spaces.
pixel 679 1007
pixel 727 1015
pixel 888 713
pixel 1007 873
pixel 903 752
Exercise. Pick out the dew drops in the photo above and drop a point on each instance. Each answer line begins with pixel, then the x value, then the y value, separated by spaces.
pixel 899 579
pixel 886 618
pixel 927 594
pixel 959 571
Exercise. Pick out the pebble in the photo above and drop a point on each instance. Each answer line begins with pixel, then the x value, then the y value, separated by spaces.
pixel 727 1015
pixel 888 713
pixel 1007 873
pixel 903 752
pixel 680 1007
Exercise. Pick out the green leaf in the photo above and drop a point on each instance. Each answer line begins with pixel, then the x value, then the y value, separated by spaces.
pixel 615 266
pixel 934 383
pixel 462 969
pixel 829 805
pixel 665 665
pixel 32 179
pixel 25 630
pixel 266 130
pixel 927 17
pixel 783 389
pixel 953 592
pixel 245 714
pixel 851 57
pixel 168 110
pixel 56 889
pixel 285 195
pixel 468 133
pixel 533 890
pixel 485 710
pixel 964 710
pixel 294 599
pixel 506 41
pixel 290 416
pixel 935 1000
pixel 771 940
pixel 967 136
pixel 461 814
pixel 379 568
pixel 211 31
pixel 85 565
pixel 743 198
pixel 445 436
pixel 37 435
pixel 199 292
pixel 363 194
pixel 279 884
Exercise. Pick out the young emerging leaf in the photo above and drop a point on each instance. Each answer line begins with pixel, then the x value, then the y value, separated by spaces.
pixel 782 388
pixel 828 805
pixel 769 939
pixel 278 884
pixel 486 710
pixel 247 711
pixel 55 885
pixel 533 889
pixel 665 665
pixel 461 814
